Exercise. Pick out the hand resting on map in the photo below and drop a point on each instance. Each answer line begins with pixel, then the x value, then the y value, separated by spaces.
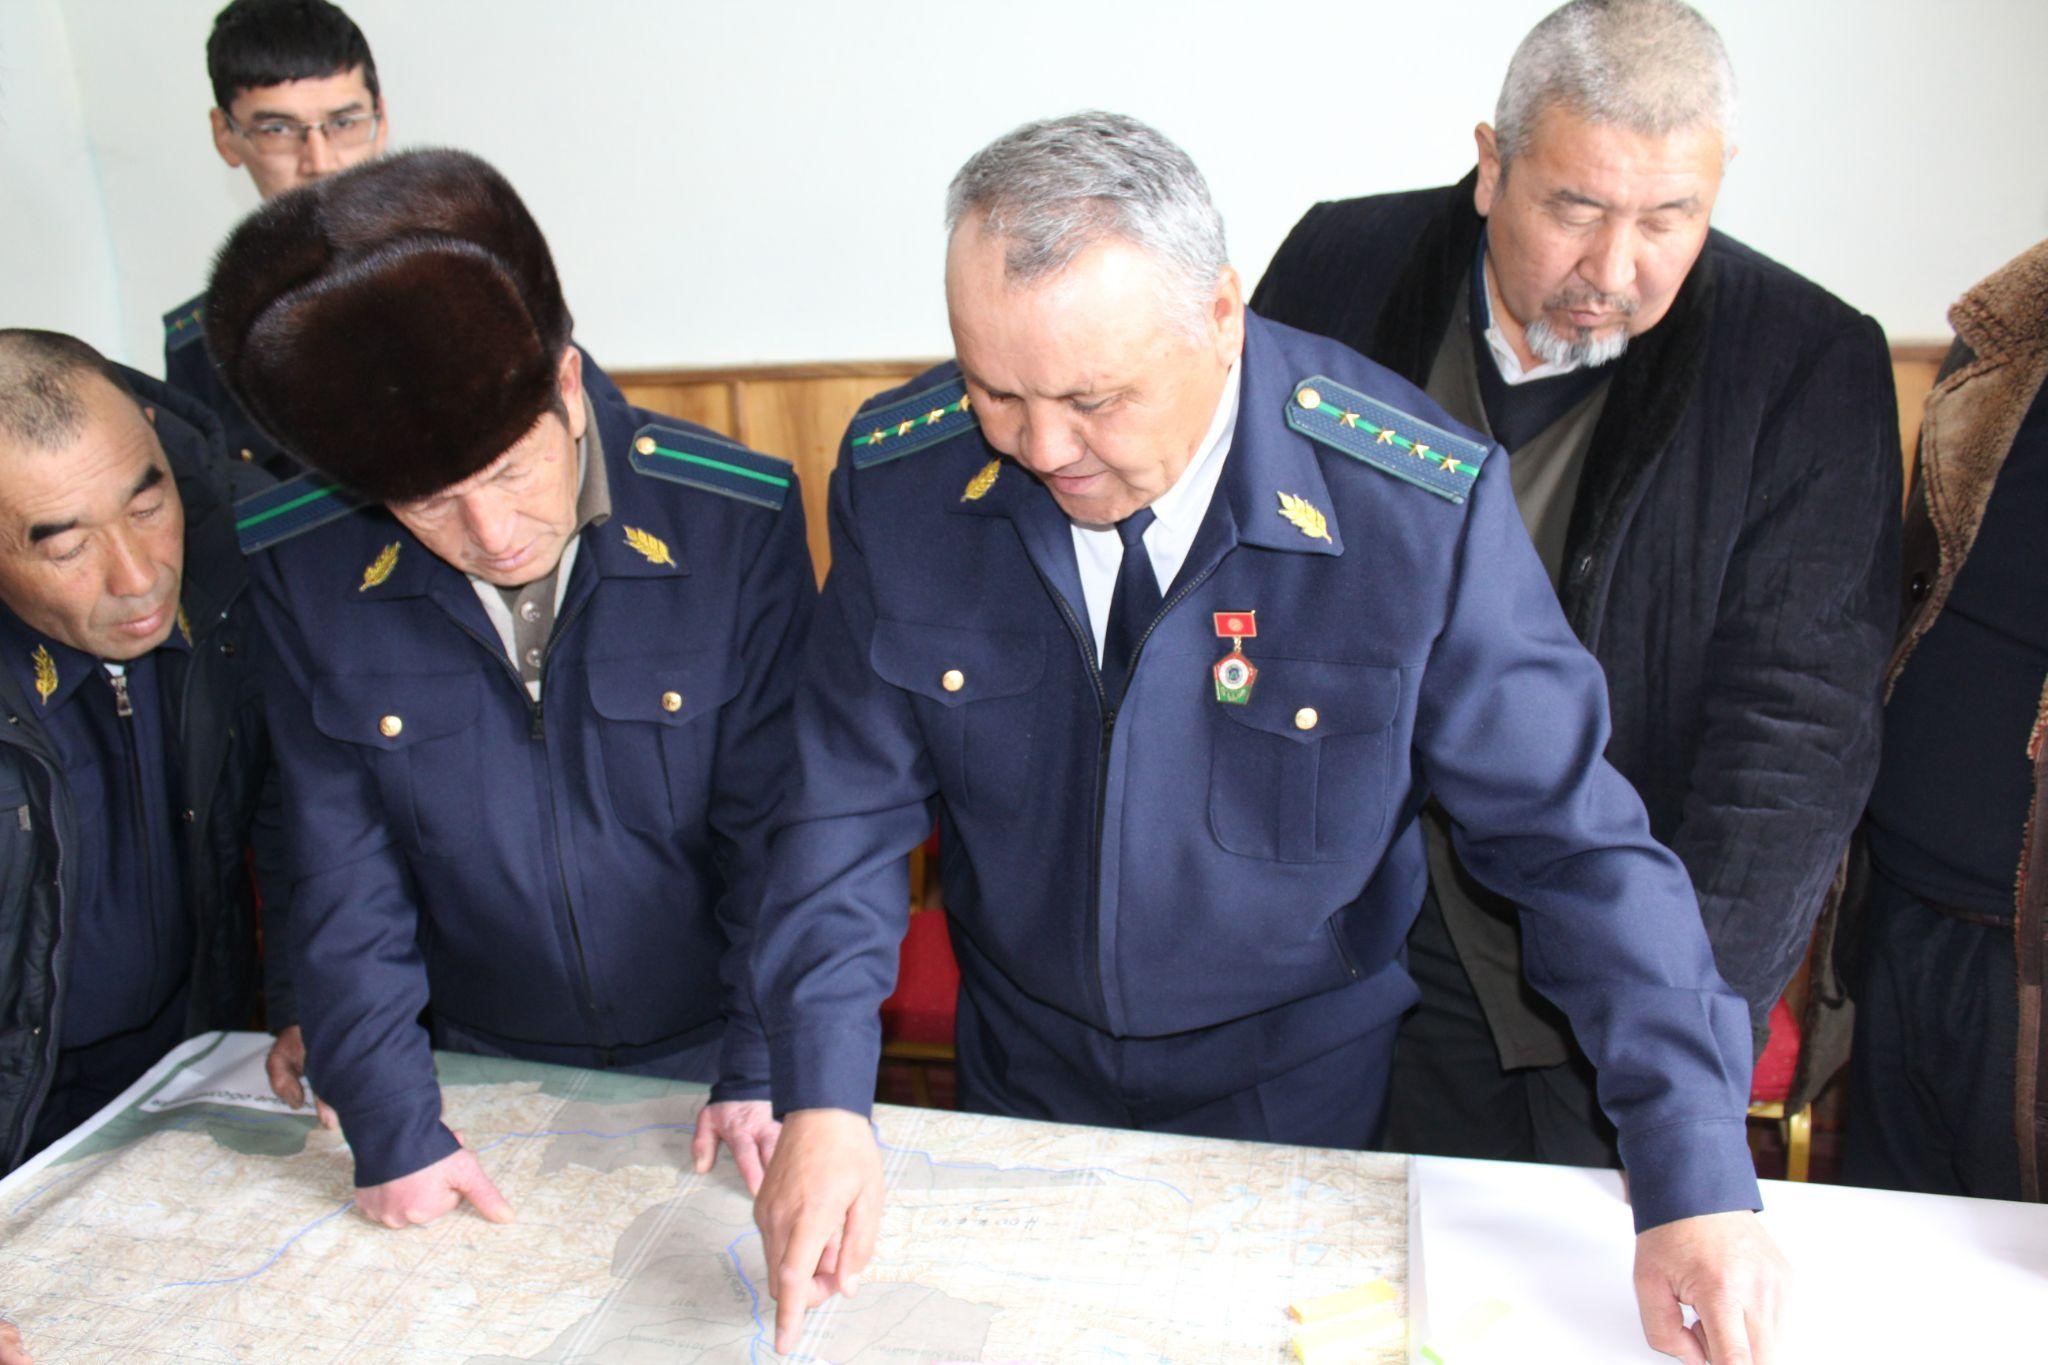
pixel 746 1126
pixel 12 1352
pixel 433 1190
pixel 286 1066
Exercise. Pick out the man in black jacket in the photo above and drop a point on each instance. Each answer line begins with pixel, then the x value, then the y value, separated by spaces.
pixel 1706 455
pixel 134 762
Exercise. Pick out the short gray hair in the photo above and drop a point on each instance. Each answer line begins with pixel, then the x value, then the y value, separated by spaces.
pixel 41 407
pixel 1651 66
pixel 1056 187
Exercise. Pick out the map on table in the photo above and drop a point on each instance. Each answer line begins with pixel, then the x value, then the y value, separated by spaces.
pixel 200 1220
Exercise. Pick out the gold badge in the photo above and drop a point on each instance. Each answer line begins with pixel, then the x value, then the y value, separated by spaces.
pixel 651 547
pixel 184 624
pixel 979 485
pixel 46 674
pixel 1305 517
pixel 380 567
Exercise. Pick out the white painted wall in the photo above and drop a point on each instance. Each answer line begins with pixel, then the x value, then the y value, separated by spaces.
pixel 727 182
pixel 57 260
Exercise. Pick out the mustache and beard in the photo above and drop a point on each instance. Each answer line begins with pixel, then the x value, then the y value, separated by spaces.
pixel 1581 345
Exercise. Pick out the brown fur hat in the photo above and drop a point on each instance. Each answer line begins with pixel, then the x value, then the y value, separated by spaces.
pixel 397 326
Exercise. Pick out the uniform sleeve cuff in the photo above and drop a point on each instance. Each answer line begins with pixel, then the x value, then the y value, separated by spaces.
pixel 1687 1169
pixel 397 1137
pixel 742 1064
pixel 831 1067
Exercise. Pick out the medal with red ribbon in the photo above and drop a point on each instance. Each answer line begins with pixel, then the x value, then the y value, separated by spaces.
pixel 1234 674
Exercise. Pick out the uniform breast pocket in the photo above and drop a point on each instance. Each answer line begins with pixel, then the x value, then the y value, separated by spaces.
pixel 658 733
pixel 417 733
pixel 978 703
pixel 1302 772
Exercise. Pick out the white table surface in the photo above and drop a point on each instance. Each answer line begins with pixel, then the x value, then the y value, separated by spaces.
pixel 1525 1263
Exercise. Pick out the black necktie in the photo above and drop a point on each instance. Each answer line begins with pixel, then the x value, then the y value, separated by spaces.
pixel 1131 607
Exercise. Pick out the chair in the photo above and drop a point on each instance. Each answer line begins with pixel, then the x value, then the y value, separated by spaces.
pixel 1772 1083
pixel 917 1019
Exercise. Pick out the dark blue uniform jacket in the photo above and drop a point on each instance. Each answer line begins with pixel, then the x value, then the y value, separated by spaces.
pixel 575 880
pixel 188 368
pixel 224 797
pixel 1188 863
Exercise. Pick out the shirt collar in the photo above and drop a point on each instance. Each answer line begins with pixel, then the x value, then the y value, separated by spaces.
pixel 50 671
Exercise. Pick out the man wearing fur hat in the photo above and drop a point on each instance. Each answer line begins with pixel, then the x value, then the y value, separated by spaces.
pixel 531 710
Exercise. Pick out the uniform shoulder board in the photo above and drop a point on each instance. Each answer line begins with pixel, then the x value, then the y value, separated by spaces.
pixel 291 508
pixel 712 464
pixel 923 419
pixel 185 324
pixel 1386 438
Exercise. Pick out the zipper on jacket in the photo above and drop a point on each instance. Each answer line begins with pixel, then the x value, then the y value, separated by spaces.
pixel 124 708
pixel 562 624
pixel 538 733
pixel 1093 938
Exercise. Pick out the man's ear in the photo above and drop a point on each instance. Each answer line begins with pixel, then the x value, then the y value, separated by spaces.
pixel 1484 192
pixel 224 138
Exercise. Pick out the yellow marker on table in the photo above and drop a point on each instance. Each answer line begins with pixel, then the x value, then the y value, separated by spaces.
pixel 1342 1339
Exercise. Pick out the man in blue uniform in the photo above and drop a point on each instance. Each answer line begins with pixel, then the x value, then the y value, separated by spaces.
pixel 134 764
pixel 530 707
pixel 296 98
pixel 1176 617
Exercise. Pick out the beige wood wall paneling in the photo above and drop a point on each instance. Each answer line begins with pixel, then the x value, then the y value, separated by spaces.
pixel 799 412
pixel 1913 370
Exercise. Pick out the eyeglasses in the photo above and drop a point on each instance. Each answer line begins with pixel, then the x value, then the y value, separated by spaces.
pixel 284 136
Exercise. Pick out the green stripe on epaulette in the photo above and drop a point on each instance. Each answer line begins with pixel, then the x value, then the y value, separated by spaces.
pixel 714 465
pixel 923 419
pixel 1385 437
pixel 291 508
pixel 185 324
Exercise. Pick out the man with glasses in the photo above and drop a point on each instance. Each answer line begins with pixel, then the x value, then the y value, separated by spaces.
pixel 295 99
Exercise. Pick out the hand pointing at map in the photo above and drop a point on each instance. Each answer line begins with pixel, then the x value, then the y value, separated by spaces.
pixel 818 1210
pixel 433 1190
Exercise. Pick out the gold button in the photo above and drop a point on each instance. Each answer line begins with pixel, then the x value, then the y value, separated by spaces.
pixel 247 455
pixel 671 701
pixel 1306 718
pixel 953 680
pixel 390 726
pixel 1309 399
pixel 645 445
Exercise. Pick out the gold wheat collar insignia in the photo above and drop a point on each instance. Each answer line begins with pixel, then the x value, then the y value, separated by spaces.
pixel 985 479
pixel 652 548
pixel 46 674
pixel 380 568
pixel 1306 518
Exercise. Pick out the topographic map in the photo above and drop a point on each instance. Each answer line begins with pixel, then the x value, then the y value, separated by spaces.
pixel 203 1222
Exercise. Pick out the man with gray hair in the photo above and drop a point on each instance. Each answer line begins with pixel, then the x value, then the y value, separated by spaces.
pixel 1705 453
pixel 1174 617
